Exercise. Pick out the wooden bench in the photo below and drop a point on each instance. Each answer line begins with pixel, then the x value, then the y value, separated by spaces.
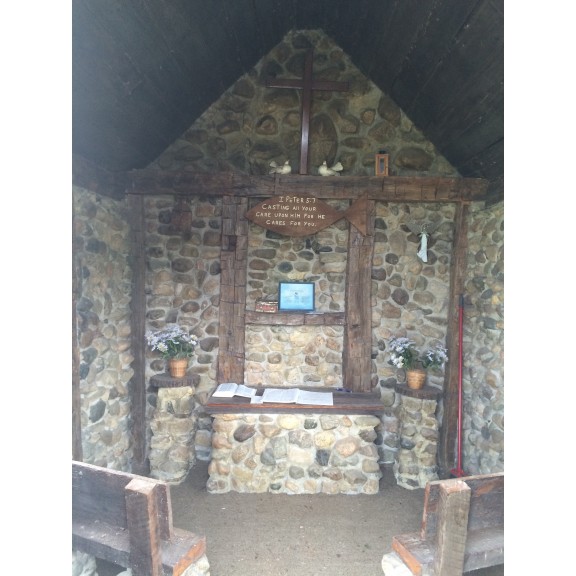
pixel 127 520
pixel 462 527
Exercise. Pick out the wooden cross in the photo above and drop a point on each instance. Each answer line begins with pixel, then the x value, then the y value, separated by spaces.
pixel 307 84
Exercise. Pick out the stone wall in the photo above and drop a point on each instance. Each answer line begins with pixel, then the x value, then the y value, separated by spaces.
pixel 294 454
pixel 103 278
pixel 183 279
pixel 251 125
pixel 483 346
pixel 173 427
pixel 297 355
pixel 183 287
pixel 416 461
pixel 410 297
pixel 244 130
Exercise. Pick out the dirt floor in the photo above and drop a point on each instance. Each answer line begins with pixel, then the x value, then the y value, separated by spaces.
pixel 296 535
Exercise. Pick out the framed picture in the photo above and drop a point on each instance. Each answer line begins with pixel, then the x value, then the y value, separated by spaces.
pixel 296 297
pixel 381 168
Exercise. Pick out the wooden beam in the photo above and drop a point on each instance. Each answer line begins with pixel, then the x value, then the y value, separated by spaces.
pixel 142 515
pixel 452 528
pixel 296 318
pixel 448 433
pixel 344 403
pixel 234 263
pixel 356 355
pixel 140 462
pixel 389 188
pixel 76 397
pixel 86 174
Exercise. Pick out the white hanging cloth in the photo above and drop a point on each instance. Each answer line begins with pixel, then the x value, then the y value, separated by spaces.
pixel 423 251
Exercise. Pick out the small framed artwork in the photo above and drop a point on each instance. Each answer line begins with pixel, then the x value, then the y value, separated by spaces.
pixel 296 297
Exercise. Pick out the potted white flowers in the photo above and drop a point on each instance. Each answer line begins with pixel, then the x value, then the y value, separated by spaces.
pixel 403 354
pixel 175 345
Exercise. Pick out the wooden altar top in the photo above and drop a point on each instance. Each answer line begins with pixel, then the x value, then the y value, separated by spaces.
pixel 345 402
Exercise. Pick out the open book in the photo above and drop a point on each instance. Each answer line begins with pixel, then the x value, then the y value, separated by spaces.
pixel 293 396
pixel 229 389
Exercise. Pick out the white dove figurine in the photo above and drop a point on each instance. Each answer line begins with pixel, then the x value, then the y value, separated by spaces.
pixel 325 171
pixel 284 169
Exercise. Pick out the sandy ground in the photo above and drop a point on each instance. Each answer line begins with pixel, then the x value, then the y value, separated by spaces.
pixel 296 535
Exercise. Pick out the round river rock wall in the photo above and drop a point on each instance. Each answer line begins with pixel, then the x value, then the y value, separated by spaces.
pixel 294 454
pixel 247 128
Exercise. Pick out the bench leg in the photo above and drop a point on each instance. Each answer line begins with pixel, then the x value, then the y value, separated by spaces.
pixel 453 508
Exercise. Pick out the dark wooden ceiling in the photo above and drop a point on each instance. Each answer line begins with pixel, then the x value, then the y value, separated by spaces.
pixel 145 70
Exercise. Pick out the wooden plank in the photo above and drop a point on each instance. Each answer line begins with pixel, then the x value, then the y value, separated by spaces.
pixel 183 549
pixel 105 486
pixel 231 331
pixel 344 403
pixel 141 515
pixel 391 188
pixel 356 356
pixel 86 174
pixel 76 396
pixel 297 215
pixel 452 528
pixel 102 44
pixel 416 553
pixel 359 17
pixel 140 462
pixel 98 494
pixel 484 548
pixel 486 503
pixel 487 162
pixel 444 22
pixel 447 446
pixel 102 541
pixel 112 544
pixel 295 318
pixel 466 73
pixel 406 21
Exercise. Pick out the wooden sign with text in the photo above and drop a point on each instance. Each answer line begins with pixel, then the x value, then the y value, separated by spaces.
pixel 296 215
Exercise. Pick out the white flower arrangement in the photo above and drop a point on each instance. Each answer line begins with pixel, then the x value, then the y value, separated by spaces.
pixel 172 342
pixel 403 354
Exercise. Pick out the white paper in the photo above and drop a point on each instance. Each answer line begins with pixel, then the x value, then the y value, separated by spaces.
pixel 280 395
pixel 297 396
pixel 315 398
pixel 229 389
pixel 256 400
pixel 225 390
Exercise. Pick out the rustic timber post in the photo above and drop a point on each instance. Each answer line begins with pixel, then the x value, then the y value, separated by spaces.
pixel 234 259
pixel 143 531
pixel 140 462
pixel 449 429
pixel 76 400
pixel 453 508
pixel 356 357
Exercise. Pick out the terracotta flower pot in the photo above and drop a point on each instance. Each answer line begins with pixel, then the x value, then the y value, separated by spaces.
pixel 178 367
pixel 416 378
